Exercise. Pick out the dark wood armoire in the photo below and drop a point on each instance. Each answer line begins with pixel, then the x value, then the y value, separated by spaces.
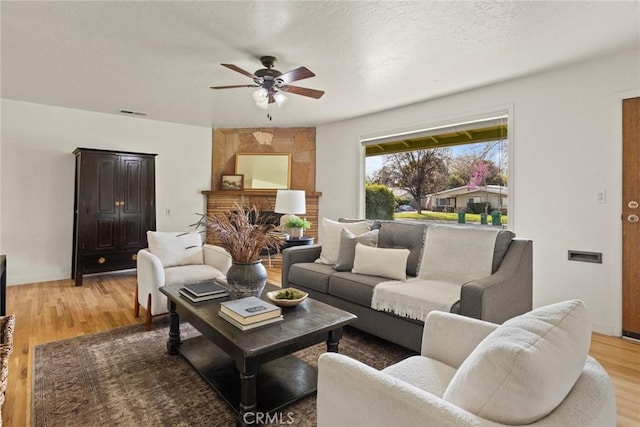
pixel 113 209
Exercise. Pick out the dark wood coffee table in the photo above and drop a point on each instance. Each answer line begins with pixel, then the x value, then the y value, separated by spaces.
pixel 254 370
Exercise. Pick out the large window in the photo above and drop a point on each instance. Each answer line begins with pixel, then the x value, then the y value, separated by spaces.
pixel 442 171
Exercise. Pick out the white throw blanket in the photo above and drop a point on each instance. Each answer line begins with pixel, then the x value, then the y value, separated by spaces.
pixel 452 256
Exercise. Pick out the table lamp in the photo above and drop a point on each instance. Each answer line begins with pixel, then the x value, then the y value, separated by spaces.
pixel 289 203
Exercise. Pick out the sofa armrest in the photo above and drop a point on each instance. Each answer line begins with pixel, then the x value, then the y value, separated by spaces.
pixel 450 338
pixel 150 276
pixel 218 257
pixel 506 293
pixel 351 393
pixel 296 254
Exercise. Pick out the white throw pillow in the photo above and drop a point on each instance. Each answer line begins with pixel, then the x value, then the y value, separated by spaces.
pixel 331 238
pixel 176 248
pixel 525 368
pixel 383 262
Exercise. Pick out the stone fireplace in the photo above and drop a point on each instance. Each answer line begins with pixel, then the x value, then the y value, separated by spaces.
pixel 299 142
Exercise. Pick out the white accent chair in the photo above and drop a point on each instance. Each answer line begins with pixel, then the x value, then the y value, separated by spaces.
pixel 174 259
pixel 532 370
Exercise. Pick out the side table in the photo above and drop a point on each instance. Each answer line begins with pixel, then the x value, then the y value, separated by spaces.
pixel 302 241
pixel 275 260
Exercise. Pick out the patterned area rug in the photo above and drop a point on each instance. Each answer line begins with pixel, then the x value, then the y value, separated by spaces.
pixel 125 377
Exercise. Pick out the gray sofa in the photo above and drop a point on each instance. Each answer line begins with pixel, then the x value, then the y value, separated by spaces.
pixel 505 293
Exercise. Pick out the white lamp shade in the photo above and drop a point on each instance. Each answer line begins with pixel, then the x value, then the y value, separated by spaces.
pixel 280 98
pixel 260 94
pixel 290 202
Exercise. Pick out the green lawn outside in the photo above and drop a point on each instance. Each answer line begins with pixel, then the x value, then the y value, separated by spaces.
pixel 444 216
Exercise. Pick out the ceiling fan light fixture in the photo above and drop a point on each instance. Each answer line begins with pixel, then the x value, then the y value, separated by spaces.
pixel 271 84
pixel 263 103
pixel 280 98
pixel 260 95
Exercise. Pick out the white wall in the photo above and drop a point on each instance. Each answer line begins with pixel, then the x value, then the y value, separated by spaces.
pixel 566 145
pixel 37 178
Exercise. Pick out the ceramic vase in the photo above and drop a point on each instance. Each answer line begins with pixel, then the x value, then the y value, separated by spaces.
pixel 246 279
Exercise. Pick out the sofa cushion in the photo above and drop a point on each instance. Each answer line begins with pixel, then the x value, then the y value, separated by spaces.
pixel 425 373
pixel 311 275
pixel 357 288
pixel 390 263
pixel 402 235
pixel 176 248
pixel 347 247
pixel 183 274
pixel 331 238
pixel 525 368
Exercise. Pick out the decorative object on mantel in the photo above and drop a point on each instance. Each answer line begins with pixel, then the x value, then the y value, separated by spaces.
pixel 231 182
pixel 290 203
pixel 272 83
pixel 264 170
pixel 244 234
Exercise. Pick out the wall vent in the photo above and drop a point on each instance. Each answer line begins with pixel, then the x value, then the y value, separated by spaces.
pixel 133 113
pixel 583 256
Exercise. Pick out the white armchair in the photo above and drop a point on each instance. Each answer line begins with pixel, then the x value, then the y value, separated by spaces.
pixel 174 259
pixel 532 370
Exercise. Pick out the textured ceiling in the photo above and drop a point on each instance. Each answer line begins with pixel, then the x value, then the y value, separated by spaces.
pixel 161 57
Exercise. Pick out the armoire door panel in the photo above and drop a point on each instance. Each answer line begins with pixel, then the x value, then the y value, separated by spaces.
pixel 106 233
pixel 133 185
pixel 133 232
pixel 106 186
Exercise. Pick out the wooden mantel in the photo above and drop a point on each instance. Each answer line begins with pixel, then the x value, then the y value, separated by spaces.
pixel 223 201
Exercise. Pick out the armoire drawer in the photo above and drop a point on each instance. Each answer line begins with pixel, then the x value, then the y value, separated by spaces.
pixel 110 261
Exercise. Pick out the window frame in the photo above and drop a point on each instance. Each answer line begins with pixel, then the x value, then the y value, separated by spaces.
pixel 504 113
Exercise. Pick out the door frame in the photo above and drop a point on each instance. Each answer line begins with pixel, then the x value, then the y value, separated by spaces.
pixel 616 291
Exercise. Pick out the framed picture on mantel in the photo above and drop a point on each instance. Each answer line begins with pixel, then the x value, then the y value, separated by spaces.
pixel 231 182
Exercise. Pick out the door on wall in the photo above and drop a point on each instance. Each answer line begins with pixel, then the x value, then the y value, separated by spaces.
pixel 631 218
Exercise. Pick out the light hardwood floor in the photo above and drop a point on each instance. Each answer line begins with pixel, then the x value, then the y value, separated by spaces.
pixel 55 310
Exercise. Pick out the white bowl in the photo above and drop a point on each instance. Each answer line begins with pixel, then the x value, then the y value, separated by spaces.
pixel 282 302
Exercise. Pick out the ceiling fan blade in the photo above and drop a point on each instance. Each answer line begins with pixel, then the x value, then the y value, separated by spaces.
pixel 304 91
pixel 239 70
pixel 294 75
pixel 231 87
pixel 271 98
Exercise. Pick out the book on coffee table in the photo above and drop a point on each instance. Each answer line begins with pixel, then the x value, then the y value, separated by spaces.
pixel 193 299
pixel 251 325
pixel 249 310
pixel 204 289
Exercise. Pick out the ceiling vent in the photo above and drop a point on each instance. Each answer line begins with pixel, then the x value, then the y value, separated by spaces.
pixel 133 113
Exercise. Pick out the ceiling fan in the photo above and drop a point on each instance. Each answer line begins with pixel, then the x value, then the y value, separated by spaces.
pixel 271 83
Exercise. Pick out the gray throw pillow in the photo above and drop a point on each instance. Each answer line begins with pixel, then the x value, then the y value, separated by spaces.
pixel 347 248
pixel 398 235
